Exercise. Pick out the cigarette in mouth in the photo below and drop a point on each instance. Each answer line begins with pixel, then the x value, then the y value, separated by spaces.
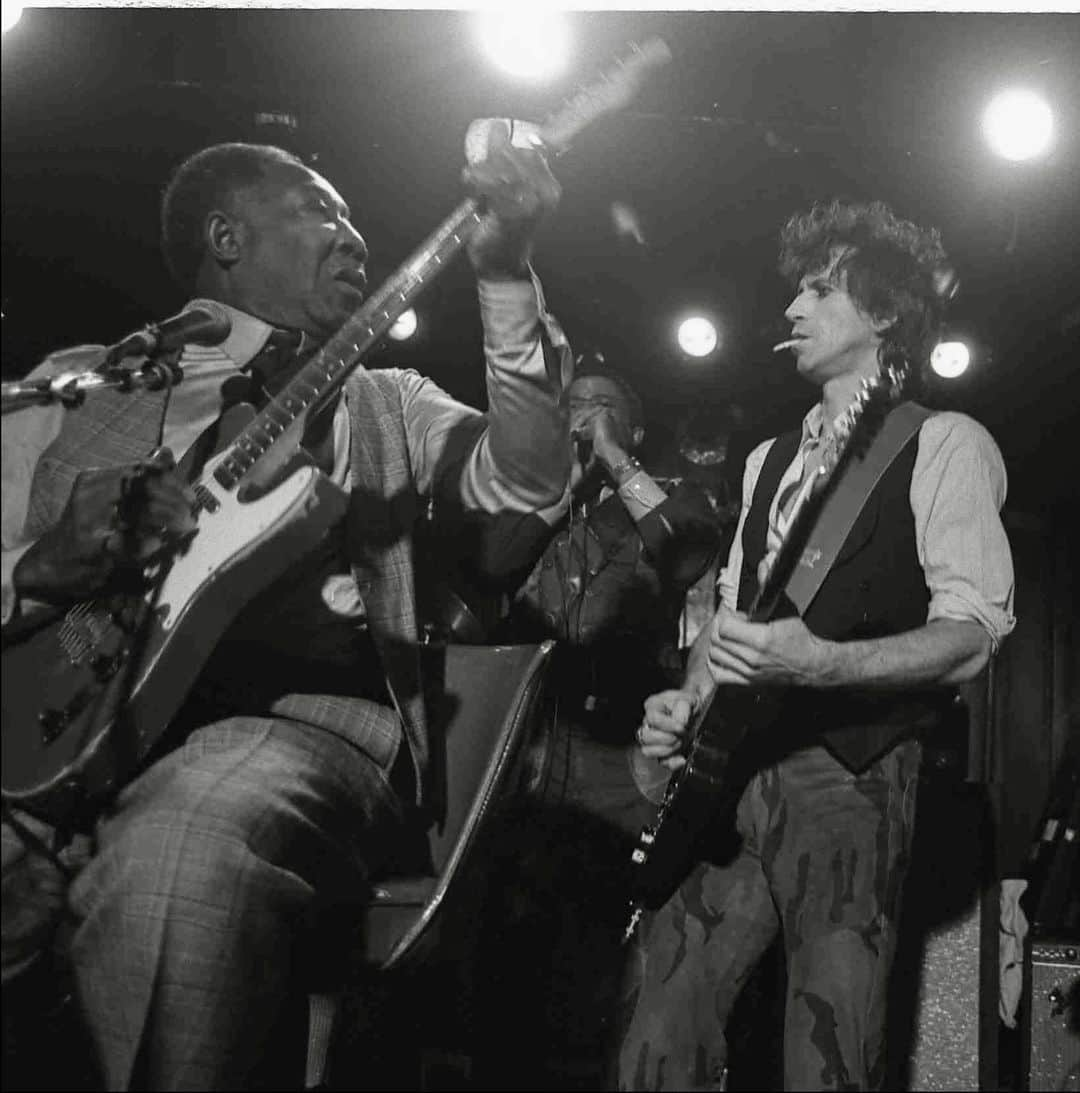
pixel 785 345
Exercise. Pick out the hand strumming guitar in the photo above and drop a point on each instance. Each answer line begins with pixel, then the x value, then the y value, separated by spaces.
pixel 117 519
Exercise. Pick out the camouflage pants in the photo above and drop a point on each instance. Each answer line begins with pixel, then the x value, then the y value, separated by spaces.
pixel 823 859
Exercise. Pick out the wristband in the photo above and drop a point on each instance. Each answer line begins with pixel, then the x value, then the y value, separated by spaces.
pixel 624 470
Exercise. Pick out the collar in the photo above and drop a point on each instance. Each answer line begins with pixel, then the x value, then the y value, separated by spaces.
pixel 248 335
pixel 812 423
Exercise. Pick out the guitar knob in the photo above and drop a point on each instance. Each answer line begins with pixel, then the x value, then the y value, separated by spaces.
pixel 104 667
pixel 53 722
pixel 648 836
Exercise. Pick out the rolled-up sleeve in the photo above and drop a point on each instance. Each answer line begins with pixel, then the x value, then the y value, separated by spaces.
pixel 958 486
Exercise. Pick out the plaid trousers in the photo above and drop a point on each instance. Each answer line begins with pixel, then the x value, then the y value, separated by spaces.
pixel 823 859
pixel 191 950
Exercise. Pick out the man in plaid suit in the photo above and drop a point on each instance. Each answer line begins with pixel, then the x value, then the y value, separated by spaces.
pixel 301 760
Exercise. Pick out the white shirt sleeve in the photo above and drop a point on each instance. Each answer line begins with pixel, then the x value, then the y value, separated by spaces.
pixel 958 486
pixel 521 462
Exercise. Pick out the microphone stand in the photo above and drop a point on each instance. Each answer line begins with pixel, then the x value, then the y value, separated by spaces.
pixel 71 388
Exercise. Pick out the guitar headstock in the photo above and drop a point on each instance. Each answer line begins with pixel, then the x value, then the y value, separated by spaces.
pixel 856 426
pixel 614 89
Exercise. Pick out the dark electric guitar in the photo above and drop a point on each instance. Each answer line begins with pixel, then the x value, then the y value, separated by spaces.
pixel 702 795
pixel 87 695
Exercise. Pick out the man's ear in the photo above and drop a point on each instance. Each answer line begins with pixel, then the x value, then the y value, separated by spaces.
pixel 224 238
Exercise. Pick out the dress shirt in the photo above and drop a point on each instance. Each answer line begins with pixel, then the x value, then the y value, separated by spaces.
pixel 957 489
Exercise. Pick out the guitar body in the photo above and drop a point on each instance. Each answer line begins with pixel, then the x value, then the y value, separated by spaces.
pixel 699 805
pixel 79 713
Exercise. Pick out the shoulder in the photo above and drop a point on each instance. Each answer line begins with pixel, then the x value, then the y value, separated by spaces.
pixel 418 400
pixel 380 389
pixel 949 431
pixel 953 445
pixel 400 383
pixel 756 460
pixel 390 380
pixel 77 358
pixel 759 452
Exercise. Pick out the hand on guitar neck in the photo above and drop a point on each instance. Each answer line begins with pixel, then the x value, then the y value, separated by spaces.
pixel 116 520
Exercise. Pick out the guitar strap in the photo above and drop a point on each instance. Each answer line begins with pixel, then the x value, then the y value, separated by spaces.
pixel 844 503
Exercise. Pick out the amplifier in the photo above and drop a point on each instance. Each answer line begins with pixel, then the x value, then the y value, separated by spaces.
pixel 1053 1027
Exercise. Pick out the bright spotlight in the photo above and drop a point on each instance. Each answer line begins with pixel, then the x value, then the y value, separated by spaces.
pixel 1018 124
pixel 697 336
pixel 950 359
pixel 10 14
pixel 404 326
pixel 529 44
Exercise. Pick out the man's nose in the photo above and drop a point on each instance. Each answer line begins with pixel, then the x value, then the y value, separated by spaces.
pixel 351 240
pixel 796 309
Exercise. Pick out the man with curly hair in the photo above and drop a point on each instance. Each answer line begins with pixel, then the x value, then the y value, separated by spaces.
pixel 919 597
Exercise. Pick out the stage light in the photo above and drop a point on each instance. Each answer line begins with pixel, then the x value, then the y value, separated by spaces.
pixel 1018 124
pixel 404 326
pixel 950 359
pixel 532 44
pixel 697 336
pixel 10 14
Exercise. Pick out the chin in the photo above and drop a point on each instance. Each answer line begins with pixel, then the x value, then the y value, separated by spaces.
pixel 327 323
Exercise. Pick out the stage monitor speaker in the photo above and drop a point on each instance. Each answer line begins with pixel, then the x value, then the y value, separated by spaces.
pixel 943 1019
pixel 1053 1014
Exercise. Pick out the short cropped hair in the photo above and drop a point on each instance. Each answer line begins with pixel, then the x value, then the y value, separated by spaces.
pixel 201 184
pixel 893 267
pixel 593 364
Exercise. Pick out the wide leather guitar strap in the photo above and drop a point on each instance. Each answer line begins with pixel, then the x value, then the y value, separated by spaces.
pixel 844 503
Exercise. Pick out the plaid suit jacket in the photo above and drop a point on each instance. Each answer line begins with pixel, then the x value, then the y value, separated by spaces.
pixel 113 429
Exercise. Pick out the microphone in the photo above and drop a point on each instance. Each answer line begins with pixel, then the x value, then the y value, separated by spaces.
pixel 202 322
pixel 582 442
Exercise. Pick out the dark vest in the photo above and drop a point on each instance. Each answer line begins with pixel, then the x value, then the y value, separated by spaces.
pixel 876 587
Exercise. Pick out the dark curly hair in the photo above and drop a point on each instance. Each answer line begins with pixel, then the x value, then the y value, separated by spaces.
pixel 892 268
pixel 202 183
